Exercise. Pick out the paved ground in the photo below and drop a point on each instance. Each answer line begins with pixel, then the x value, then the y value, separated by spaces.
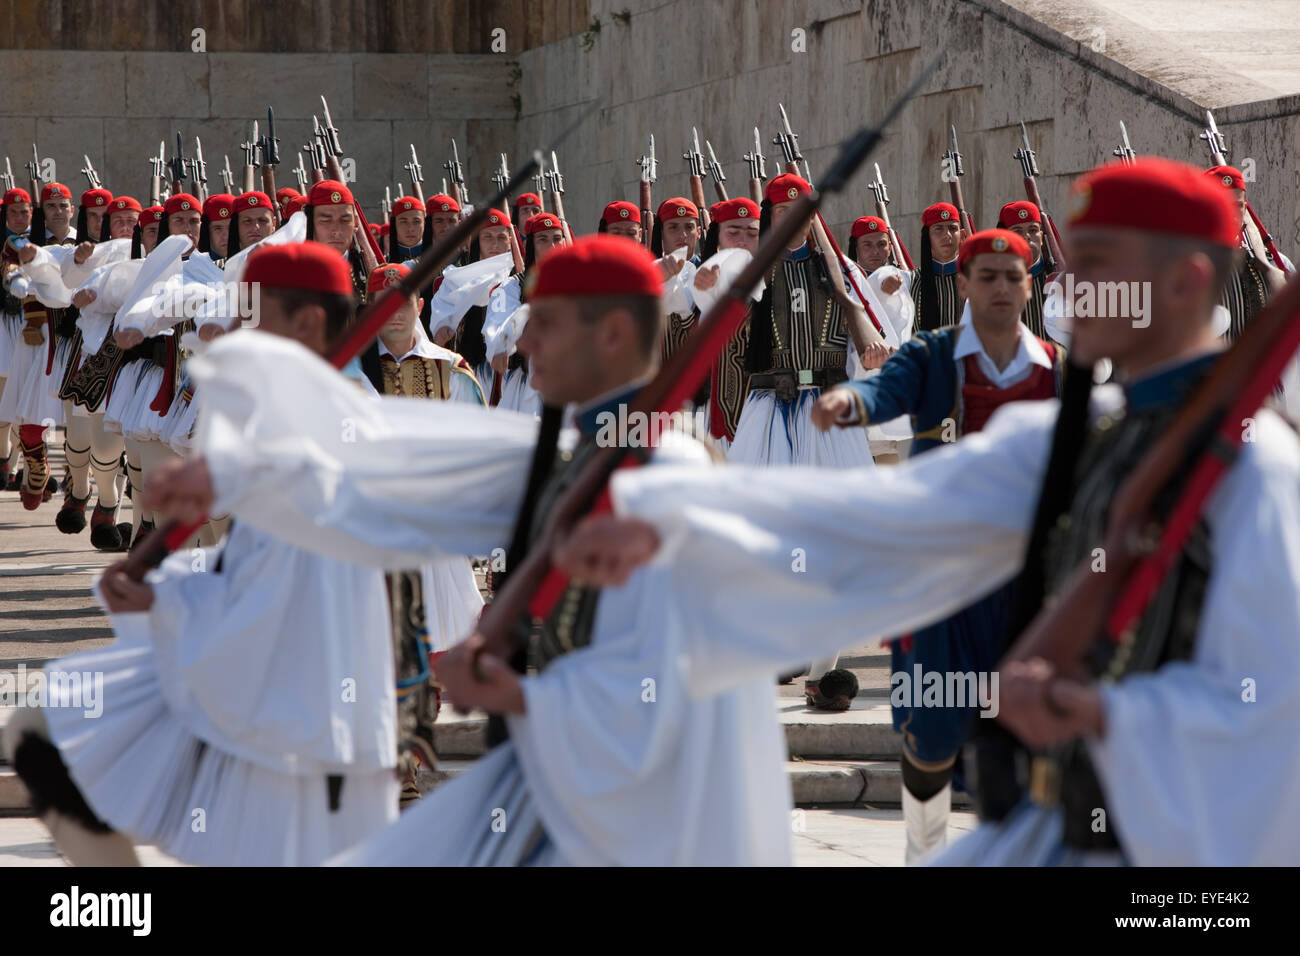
pixel 46 611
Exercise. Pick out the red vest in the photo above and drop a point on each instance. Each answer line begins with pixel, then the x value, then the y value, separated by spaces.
pixel 981 398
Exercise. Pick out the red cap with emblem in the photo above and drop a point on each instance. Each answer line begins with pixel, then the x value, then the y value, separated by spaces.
pixel 407 204
pixel 15 195
pixel 440 202
pixel 53 190
pixel 182 202
pixel 294 204
pixel 992 240
pixel 599 264
pixel 785 188
pixel 218 206
pixel 96 197
pixel 742 208
pixel 384 229
pixel 1017 212
pixel 285 193
pixel 1156 195
pixel 300 265
pixel 386 275
pixel 528 199
pixel 541 222
pixel 868 226
pixel 329 192
pixel 495 217
pixel 124 204
pixel 254 200
pixel 939 212
pixel 621 211
pixel 677 207
pixel 1230 176
pixel 151 214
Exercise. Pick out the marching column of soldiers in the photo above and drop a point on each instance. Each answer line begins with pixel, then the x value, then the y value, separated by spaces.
pixel 197 355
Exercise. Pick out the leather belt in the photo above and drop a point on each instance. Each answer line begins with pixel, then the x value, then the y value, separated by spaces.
pixel 787 382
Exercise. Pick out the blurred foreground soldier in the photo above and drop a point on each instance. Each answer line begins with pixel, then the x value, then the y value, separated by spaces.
pixel 608 760
pixel 950 382
pixel 1188 761
pixel 287 768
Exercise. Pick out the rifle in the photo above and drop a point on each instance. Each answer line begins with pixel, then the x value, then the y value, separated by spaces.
pixel 649 173
pixel 156 545
pixel 7 176
pixel 92 177
pixel 417 176
pixel 249 147
pixel 500 178
pixel 156 181
pixel 695 160
pixel 371 256
pixel 534 586
pixel 1029 168
pixel 227 177
pixel 457 174
pixel 555 181
pixel 178 167
pixel 199 169
pixel 836 263
pixel 955 170
pixel 539 183
pixel 1124 151
pixel 388 202
pixel 757 168
pixel 300 174
pixel 715 170
pixel 316 151
pixel 1218 153
pixel 878 189
pixel 34 175
pixel 269 147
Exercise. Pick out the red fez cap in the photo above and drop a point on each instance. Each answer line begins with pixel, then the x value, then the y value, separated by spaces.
pixel 440 202
pixel 388 274
pixel 677 207
pixel 1156 195
pixel 329 192
pixel 96 197
pixel 868 226
pixel 254 200
pixel 374 229
pixel 182 202
pixel 300 265
pixel 16 194
pixel 151 214
pixel 785 188
pixel 528 199
pixel 620 211
pixel 742 207
pixel 294 204
pixel 51 190
pixel 1230 176
pixel 286 192
pixel 992 240
pixel 383 229
pixel 218 206
pixel 541 222
pixel 124 204
pixel 1022 210
pixel 598 264
pixel 939 212
pixel 495 217
pixel 407 204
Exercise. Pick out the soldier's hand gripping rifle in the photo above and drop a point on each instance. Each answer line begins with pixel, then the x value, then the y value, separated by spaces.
pixel 555 182
pixel 199 170
pixel 249 147
pixel 881 193
pixel 371 255
pixel 417 176
pixel 227 177
pixel 1029 169
pixel 649 173
pixel 719 177
pixel 92 177
pixel 1219 154
pixel 534 586
pixel 953 171
pixel 757 168
pixel 269 149
pixel 1124 151
pixel 695 162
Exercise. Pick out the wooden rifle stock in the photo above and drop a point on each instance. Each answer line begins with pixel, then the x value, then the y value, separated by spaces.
pixel 1276 256
pixel 954 191
pixel 697 197
pixel 647 214
pixel 557 203
pixel 268 187
pixel 1140 543
pixel 756 191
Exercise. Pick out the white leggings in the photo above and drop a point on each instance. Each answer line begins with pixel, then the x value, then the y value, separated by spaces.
pixel 87 445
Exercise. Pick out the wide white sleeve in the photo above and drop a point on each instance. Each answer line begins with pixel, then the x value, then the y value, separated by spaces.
pixel 499 332
pixel 769 573
pixel 46 276
pixel 298 451
pixel 1200 762
pixel 103 254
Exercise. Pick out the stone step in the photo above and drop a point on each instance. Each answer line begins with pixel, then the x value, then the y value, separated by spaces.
pixel 863 732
